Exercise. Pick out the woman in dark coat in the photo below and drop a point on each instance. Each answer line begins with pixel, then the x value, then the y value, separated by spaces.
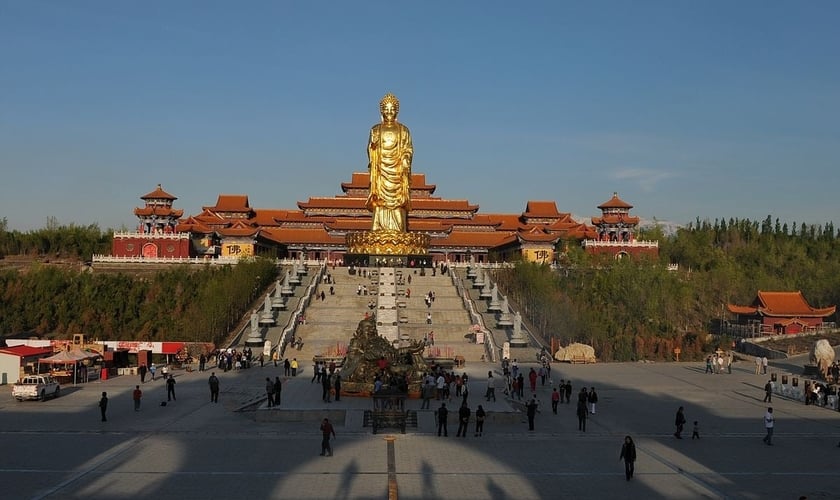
pixel 581 414
pixel 628 454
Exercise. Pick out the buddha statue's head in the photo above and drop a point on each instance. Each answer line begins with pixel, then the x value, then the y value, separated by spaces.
pixel 389 107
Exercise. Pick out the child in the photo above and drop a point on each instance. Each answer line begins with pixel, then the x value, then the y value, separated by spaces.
pixel 696 433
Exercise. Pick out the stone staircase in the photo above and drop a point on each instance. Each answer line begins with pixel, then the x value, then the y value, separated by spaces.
pixel 331 323
pixel 450 321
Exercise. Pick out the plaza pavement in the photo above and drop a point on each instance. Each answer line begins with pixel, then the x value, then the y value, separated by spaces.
pixel 192 448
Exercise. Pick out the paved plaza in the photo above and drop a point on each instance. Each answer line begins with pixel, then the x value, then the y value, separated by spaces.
pixel 192 448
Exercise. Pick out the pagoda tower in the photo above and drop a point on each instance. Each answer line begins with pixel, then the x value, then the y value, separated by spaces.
pixel 157 216
pixel 156 237
pixel 616 230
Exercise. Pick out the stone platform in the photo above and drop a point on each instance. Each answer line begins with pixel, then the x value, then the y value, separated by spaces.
pixel 192 448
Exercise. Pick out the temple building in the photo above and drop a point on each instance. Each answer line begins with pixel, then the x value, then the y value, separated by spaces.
pixel 317 229
pixel 157 235
pixel 616 230
pixel 781 312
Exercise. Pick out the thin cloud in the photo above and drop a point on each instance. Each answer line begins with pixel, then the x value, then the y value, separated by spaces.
pixel 645 178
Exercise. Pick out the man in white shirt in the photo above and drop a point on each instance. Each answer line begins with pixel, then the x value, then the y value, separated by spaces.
pixel 768 425
pixel 441 382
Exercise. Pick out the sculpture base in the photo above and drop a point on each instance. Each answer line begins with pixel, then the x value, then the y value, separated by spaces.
pixel 388 243
pixel 372 260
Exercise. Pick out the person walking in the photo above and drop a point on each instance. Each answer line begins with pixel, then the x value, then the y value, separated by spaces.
pixel 555 399
pixel 581 414
pixel 696 432
pixel 287 367
pixel 213 382
pixel 294 365
pixel 136 395
pixel 327 430
pixel 679 422
pixel 628 454
pixel 480 415
pixel 491 387
pixel 592 398
pixel 269 392
pixel 152 371
pixel 532 379
pixel 170 388
pixel 325 388
pixel 278 389
pixel 442 414
pixel 103 405
pixel 427 392
pixel 337 385
pixel 531 410
pixel 568 391
pixel 142 370
pixel 463 420
pixel 769 423
pixel 708 364
pixel 757 365
pixel 764 365
pixel 768 392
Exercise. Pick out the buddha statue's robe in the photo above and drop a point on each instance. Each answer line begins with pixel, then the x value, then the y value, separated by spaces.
pixel 390 153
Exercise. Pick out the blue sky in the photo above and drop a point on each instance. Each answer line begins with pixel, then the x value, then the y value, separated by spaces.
pixel 687 109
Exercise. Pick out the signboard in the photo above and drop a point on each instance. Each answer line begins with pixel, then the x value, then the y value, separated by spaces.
pixel 539 255
pixel 479 337
pixel 237 249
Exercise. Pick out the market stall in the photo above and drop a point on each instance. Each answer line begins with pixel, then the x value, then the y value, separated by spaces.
pixel 73 366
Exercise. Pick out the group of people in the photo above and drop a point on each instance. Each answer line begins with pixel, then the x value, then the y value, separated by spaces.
pixel 329 377
pixel 464 415
pixel 232 359
pixel 717 363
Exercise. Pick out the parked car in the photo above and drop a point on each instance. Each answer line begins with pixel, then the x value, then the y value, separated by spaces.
pixel 38 387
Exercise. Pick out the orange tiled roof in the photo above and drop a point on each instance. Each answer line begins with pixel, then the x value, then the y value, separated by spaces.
pixel 230 203
pixel 361 180
pixel 159 211
pixel 615 202
pixel 541 209
pixel 239 228
pixel 158 194
pixel 471 238
pixel 506 222
pixel 268 216
pixel 441 204
pixel 537 235
pixel 332 202
pixel 304 235
pixel 192 225
pixel 615 219
pixel 786 304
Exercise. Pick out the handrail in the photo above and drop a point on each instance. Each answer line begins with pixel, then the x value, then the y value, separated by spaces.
pixel 303 302
pixel 477 318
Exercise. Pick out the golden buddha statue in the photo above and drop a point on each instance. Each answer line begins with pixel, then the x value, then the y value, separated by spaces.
pixel 389 162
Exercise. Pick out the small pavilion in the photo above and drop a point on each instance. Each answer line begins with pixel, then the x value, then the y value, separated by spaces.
pixel 781 313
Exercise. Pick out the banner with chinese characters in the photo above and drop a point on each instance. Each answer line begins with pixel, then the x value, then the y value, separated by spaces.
pixel 538 255
pixel 237 249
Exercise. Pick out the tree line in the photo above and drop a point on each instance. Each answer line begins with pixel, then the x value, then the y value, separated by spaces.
pixel 182 303
pixel 633 309
pixel 55 241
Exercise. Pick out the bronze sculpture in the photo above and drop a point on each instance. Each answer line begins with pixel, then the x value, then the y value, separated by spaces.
pixel 364 354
